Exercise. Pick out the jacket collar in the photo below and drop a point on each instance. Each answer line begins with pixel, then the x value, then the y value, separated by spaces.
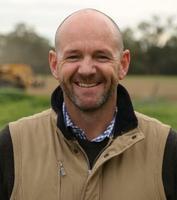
pixel 125 120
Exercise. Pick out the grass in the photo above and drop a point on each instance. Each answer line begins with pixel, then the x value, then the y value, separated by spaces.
pixel 15 104
pixel 164 110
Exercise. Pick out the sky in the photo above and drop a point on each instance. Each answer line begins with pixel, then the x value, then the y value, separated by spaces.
pixel 46 15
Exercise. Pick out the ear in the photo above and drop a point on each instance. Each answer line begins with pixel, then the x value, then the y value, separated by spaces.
pixel 124 64
pixel 53 63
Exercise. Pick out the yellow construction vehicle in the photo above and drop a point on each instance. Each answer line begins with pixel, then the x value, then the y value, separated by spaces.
pixel 17 75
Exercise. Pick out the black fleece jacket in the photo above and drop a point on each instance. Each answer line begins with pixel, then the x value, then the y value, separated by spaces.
pixel 125 120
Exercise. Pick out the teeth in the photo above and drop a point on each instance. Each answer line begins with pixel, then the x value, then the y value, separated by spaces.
pixel 87 85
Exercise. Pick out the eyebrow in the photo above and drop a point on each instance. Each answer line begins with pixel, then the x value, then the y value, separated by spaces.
pixel 72 51
pixel 104 51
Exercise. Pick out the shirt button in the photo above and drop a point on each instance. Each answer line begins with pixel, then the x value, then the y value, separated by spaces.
pixel 134 137
pixel 76 150
pixel 106 155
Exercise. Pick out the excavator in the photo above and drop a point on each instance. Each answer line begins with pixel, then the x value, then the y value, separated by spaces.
pixel 18 76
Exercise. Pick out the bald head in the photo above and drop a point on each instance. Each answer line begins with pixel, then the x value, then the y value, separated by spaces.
pixel 87 19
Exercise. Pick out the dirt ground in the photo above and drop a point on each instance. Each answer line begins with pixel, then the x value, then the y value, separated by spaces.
pixel 152 87
pixel 138 87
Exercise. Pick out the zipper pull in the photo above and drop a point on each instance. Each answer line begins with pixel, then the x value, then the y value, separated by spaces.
pixel 62 169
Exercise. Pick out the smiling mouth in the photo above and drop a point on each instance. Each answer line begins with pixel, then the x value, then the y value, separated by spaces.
pixel 87 85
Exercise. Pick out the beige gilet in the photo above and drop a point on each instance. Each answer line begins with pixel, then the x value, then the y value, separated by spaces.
pixel 50 167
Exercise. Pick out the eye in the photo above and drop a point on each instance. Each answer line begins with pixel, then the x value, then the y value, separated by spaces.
pixel 73 58
pixel 102 58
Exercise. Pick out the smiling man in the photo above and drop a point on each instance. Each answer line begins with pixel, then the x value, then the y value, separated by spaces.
pixel 89 62
pixel 91 144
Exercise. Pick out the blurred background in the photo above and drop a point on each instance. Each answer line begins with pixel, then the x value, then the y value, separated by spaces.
pixel 27 30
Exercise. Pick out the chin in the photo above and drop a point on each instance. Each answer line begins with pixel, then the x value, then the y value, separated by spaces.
pixel 90 106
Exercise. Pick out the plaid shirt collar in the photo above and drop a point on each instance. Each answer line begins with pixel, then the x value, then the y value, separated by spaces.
pixel 79 133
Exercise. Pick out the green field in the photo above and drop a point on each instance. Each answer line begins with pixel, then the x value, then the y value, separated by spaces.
pixel 164 110
pixel 15 104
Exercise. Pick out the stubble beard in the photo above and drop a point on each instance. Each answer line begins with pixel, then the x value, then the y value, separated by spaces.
pixel 104 98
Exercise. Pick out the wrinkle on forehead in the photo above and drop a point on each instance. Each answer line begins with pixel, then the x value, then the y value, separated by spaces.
pixel 89 48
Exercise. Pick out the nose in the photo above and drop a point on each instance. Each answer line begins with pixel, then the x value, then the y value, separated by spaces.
pixel 87 67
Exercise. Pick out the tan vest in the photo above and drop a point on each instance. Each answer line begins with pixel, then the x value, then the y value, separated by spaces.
pixel 50 167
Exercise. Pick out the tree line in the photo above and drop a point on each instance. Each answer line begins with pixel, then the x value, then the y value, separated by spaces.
pixel 153 46
pixel 23 45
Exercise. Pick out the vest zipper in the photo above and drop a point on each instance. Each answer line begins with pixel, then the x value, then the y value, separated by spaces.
pixel 109 142
pixel 90 170
pixel 86 157
pixel 62 169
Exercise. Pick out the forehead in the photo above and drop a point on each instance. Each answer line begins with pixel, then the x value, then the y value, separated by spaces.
pixel 87 27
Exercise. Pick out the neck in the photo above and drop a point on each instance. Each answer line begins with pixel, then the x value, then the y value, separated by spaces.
pixel 92 123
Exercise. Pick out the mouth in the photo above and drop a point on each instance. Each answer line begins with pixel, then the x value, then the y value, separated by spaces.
pixel 86 85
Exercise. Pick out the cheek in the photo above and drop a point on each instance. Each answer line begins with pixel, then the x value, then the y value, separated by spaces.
pixel 66 72
pixel 110 72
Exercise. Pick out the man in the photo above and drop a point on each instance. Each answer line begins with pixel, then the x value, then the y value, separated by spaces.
pixel 90 144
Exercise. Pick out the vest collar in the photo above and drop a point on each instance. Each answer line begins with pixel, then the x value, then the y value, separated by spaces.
pixel 125 120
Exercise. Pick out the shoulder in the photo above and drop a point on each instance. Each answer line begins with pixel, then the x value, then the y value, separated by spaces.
pixel 149 120
pixel 28 131
pixel 32 121
pixel 41 115
pixel 156 133
pixel 146 122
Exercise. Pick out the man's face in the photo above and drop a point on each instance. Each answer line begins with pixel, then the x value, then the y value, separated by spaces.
pixel 88 62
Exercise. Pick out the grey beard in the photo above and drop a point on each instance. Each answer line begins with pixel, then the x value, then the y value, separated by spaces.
pixel 98 105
